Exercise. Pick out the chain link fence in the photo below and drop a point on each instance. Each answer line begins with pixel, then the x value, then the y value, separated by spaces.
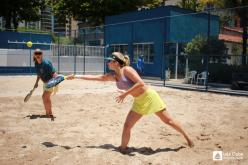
pixel 206 54
pixel 208 61
pixel 74 53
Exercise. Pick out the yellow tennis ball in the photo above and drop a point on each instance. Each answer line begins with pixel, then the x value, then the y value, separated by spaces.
pixel 29 44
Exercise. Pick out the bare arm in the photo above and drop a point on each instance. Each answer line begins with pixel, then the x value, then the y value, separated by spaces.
pixel 133 75
pixel 36 82
pixel 106 77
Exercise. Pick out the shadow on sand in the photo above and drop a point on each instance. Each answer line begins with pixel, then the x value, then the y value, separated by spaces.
pixel 143 150
pixel 50 144
pixel 40 116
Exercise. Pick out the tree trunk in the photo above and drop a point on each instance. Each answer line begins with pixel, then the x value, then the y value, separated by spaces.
pixel 244 51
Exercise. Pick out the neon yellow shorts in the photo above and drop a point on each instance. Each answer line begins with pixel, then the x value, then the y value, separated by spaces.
pixel 148 102
pixel 52 90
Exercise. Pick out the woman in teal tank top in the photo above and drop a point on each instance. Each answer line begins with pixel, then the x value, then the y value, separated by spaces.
pixel 45 71
pixel 146 100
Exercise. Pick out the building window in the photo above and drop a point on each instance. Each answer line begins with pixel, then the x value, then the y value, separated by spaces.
pixel 145 49
pixel 123 48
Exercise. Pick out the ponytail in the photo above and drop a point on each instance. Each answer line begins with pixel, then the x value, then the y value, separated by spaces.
pixel 127 60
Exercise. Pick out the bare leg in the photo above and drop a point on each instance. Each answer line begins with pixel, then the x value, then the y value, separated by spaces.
pixel 47 102
pixel 131 119
pixel 166 118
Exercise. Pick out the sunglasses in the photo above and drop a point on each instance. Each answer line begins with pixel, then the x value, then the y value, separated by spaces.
pixel 38 53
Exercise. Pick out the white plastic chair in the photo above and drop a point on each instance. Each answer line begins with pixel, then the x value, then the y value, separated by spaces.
pixel 191 76
pixel 167 74
pixel 201 77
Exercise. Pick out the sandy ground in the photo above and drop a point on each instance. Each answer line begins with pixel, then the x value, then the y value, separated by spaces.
pixel 88 126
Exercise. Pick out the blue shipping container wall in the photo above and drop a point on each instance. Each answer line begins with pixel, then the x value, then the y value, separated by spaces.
pixel 156 26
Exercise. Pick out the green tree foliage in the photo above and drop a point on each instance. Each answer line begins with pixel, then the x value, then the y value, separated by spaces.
pixel 199 46
pixel 197 50
pixel 94 11
pixel 194 5
pixel 199 5
pixel 240 10
pixel 15 11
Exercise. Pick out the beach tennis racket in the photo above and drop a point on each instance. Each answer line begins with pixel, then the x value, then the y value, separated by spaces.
pixel 29 95
pixel 55 81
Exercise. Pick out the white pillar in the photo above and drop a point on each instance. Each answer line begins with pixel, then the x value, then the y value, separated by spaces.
pixel 187 67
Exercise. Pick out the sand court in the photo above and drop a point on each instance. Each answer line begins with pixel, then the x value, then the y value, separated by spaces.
pixel 88 126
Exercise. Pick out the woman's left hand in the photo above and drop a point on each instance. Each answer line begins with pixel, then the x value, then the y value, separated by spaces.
pixel 121 91
pixel 120 98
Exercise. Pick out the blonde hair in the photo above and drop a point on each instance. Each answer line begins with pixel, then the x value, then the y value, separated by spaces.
pixel 127 60
pixel 122 59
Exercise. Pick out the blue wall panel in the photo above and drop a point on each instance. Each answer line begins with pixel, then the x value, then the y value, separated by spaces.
pixel 118 34
pixel 156 13
pixel 17 70
pixel 185 27
pixel 23 37
pixel 151 32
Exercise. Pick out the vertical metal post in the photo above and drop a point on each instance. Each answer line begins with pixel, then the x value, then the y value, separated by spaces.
pixel 208 41
pixel 105 55
pixel 163 51
pixel 163 63
pixel 84 51
pixel 75 54
pixel 176 66
pixel 244 20
pixel 187 67
pixel 30 56
pixel 30 59
pixel 58 53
